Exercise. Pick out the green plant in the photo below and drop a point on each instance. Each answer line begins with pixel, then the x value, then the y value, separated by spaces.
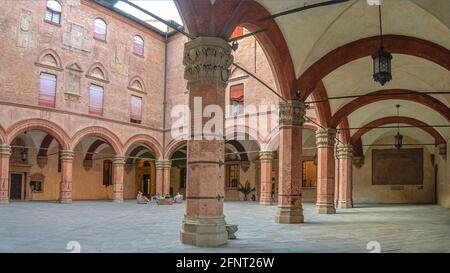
pixel 245 190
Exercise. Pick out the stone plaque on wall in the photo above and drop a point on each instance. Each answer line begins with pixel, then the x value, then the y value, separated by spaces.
pixel 24 35
pixel 77 39
pixel 397 167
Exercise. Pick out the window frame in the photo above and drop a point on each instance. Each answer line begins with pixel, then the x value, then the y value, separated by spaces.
pixel 135 52
pixel 53 13
pixel 41 102
pixel 97 36
pixel 136 121
pixel 90 106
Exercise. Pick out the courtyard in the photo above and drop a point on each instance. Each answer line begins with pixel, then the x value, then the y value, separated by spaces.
pixel 104 226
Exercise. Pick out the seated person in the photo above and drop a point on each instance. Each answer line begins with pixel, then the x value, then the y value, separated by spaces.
pixel 141 199
pixel 178 198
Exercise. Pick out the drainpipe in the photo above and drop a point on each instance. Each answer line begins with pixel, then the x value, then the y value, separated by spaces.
pixel 164 108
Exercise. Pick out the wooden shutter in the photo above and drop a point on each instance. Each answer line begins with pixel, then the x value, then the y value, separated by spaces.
pixel 237 93
pixel 47 90
pixel 95 100
pixel 136 109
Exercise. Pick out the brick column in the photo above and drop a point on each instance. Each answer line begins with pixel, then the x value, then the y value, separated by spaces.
pixel 291 120
pixel 207 61
pixel 163 177
pixel 325 140
pixel 66 157
pixel 345 155
pixel 265 158
pixel 118 164
pixel 5 152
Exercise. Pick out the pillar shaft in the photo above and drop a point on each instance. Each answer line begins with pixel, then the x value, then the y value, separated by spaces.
pixel 345 155
pixel 291 120
pixel 163 177
pixel 325 140
pixel 5 153
pixel 207 61
pixel 266 178
pixel 66 157
pixel 118 164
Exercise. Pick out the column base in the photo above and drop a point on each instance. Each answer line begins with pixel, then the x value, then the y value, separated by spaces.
pixel 4 201
pixel 289 215
pixel 204 231
pixel 65 201
pixel 265 202
pixel 324 208
pixel 345 204
pixel 118 200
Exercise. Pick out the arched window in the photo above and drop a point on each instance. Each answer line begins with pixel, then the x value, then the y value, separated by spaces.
pixel 99 29
pixel 53 12
pixel 138 45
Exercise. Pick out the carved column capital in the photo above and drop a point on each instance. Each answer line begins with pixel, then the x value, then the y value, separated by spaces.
pixel 292 113
pixel 5 150
pixel 266 156
pixel 325 138
pixel 207 59
pixel 345 151
pixel 118 160
pixel 66 155
pixel 163 164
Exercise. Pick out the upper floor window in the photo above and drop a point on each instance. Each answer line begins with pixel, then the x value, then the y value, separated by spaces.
pixel 237 99
pixel 53 12
pixel 47 90
pixel 138 45
pixel 136 109
pixel 95 99
pixel 100 29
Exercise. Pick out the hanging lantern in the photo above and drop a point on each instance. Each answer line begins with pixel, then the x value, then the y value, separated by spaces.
pixel 382 66
pixel 24 155
pixel 381 60
pixel 398 140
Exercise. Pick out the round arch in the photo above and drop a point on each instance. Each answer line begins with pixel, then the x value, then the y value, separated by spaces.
pixel 173 146
pixel 99 132
pixel 397 44
pixel 400 94
pixel 39 124
pixel 2 135
pixel 145 140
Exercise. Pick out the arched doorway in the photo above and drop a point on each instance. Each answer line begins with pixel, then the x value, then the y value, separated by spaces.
pixel 140 171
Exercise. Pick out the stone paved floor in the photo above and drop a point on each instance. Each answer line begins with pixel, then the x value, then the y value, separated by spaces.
pixel 103 226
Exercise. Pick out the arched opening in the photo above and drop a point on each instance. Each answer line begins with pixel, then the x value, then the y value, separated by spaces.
pixel 178 171
pixel 140 171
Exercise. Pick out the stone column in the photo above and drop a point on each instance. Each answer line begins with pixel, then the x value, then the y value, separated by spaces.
pixel 265 158
pixel 345 155
pixel 291 120
pixel 5 152
pixel 163 176
pixel 118 165
pixel 207 61
pixel 336 179
pixel 325 140
pixel 66 157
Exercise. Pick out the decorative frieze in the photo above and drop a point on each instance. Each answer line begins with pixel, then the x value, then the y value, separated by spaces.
pixel 292 113
pixel 207 59
pixel 325 138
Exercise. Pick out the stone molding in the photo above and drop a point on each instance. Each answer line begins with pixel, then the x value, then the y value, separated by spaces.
pixel 266 156
pixel 5 150
pixel 66 155
pixel 207 59
pixel 163 164
pixel 118 160
pixel 325 138
pixel 292 113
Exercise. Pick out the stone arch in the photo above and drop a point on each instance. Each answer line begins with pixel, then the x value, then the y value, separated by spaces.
pixel 250 133
pixel 400 94
pixel 396 44
pixel 137 84
pixel 2 135
pixel 240 148
pixel 172 147
pixel 100 132
pixel 98 71
pixel 323 110
pixel 356 137
pixel 49 58
pixel 39 124
pixel 146 140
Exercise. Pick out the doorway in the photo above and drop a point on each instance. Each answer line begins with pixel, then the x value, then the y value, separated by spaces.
pixel 146 184
pixel 16 187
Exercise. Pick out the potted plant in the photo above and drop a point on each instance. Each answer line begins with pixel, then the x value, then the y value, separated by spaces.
pixel 245 190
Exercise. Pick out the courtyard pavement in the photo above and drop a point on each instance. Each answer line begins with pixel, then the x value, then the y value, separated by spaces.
pixel 103 226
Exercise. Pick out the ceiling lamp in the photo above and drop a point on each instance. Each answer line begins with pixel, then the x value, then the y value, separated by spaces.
pixel 381 59
pixel 398 137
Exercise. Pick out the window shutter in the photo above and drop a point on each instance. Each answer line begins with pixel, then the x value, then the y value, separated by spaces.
pixel 96 100
pixel 47 90
pixel 237 93
pixel 136 109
